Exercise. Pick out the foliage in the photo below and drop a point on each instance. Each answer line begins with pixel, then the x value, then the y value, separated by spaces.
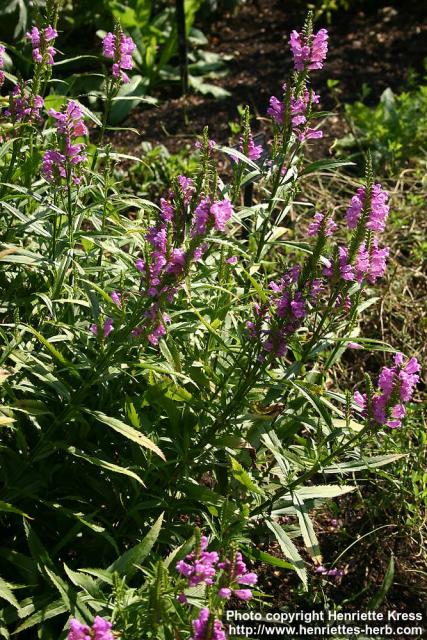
pixel 170 362
pixel 394 130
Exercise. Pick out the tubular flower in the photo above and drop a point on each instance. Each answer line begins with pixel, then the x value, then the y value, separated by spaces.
pixel 165 266
pixel 371 263
pixel 100 630
pixel 236 574
pixel 277 320
pixel 23 107
pixel 204 625
pixel 199 566
pixel 396 386
pixel 299 106
pixel 59 164
pixel 315 226
pixel 119 48
pixel 379 209
pixel 40 39
pixel 309 55
pixel 106 329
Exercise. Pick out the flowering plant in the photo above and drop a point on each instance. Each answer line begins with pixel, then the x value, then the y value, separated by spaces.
pixel 150 345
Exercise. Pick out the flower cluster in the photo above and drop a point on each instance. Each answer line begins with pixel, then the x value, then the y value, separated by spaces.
pixel 23 107
pixel 370 260
pixel 2 50
pixel 119 48
pixel 62 163
pixel 284 312
pixel 199 565
pixel 235 574
pixel 165 266
pixel 395 388
pixel 378 209
pixel 299 107
pixel 207 626
pixel 203 566
pixel 254 151
pixel 309 53
pixel 100 630
pixel 40 39
pixel 328 226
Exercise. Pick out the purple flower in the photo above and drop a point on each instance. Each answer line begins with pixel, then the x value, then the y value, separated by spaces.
pixel 200 625
pixel 232 260
pixel 371 263
pixel 225 593
pixel 298 113
pixel 222 211
pixel 78 631
pixel 40 39
pixel 315 225
pixel 345 269
pixel 200 568
pixel 59 164
pixel 119 48
pixel 182 598
pixel 102 629
pixel 187 188
pixel 201 217
pixel 276 110
pixel 309 55
pixel 23 107
pixel 107 328
pixel 378 212
pixel 243 594
pixel 395 387
pixel 116 298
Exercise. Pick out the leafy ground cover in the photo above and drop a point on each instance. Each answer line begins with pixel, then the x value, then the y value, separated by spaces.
pixel 174 355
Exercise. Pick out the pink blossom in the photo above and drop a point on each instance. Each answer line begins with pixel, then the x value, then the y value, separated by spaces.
pixel 120 49
pixel 309 55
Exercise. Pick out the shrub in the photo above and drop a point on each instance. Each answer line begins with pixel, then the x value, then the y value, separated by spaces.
pixel 168 363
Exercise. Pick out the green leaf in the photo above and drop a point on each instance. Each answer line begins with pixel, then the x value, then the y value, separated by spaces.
pixel 125 565
pixel 108 466
pixel 128 432
pixel 322 165
pixel 290 551
pixel 6 593
pixel 52 610
pixel 243 477
pixel 309 535
pixel 362 465
pixel 5 506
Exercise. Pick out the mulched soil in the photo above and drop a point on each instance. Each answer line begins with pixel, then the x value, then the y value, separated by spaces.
pixel 377 45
